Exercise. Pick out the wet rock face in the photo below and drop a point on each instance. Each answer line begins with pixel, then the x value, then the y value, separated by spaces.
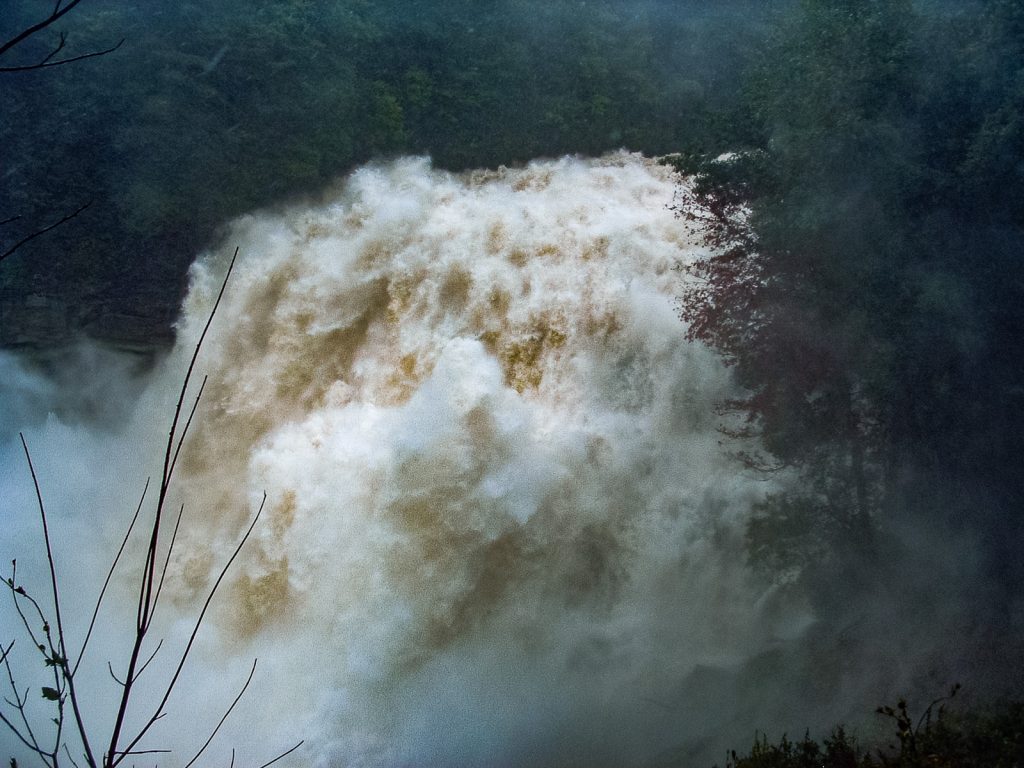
pixel 46 320
pixel 35 320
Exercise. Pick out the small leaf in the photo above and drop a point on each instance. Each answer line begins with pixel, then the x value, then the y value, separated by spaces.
pixel 51 694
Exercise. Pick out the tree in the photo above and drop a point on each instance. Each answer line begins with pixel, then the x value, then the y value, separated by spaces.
pixel 863 282
pixel 51 638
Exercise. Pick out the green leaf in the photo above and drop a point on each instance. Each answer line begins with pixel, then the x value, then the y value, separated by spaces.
pixel 51 694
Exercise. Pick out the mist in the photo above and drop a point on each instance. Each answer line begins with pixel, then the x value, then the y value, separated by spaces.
pixel 500 527
pixel 546 484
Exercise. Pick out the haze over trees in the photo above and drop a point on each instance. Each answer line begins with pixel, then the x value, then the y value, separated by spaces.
pixel 870 296
pixel 208 111
pixel 866 227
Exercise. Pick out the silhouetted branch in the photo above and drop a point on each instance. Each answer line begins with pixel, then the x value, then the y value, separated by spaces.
pixel 67 677
pixel 167 560
pixel 68 753
pixel 238 698
pixel 28 238
pixel 150 587
pixel 116 679
pixel 60 62
pixel 110 573
pixel 192 637
pixel 58 12
pixel 279 757
pixel 28 738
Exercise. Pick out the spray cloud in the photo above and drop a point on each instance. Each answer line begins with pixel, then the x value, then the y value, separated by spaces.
pixel 500 526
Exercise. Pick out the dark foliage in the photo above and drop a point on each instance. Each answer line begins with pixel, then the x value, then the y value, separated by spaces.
pixel 866 280
pixel 210 110
pixel 986 738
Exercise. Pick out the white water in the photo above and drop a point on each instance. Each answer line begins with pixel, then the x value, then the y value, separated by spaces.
pixel 500 529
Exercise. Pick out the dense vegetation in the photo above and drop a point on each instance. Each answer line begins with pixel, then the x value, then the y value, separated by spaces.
pixel 988 738
pixel 210 110
pixel 866 286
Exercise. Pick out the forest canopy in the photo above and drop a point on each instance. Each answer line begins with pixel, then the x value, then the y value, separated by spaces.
pixel 210 110
pixel 866 283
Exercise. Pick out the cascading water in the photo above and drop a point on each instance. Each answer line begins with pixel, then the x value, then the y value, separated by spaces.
pixel 500 526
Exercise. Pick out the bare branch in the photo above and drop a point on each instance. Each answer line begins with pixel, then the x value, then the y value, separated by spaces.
pixel 225 716
pixel 13 729
pixel 60 62
pixel 42 231
pixel 148 592
pixel 167 560
pixel 110 573
pixel 188 423
pixel 195 631
pixel 18 591
pixel 283 754
pixel 110 668
pixel 28 738
pixel 26 33
pixel 168 465
pixel 68 753
pixel 148 661
pixel 47 61
pixel 83 734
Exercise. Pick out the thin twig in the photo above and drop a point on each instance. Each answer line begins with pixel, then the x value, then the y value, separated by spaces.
pixel 29 31
pixel 20 592
pixel 225 716
pixel 148 661
pixel 18 704
pixel 195 630
pixel 110 573
pixel 42 231
pixel 14 729
pixel 60 47
pixel 60 62
pixel 147 595
pixel 192 364
pixel 110 667
pixel 147 589
pixel 56 609
pixel 188 423
pixel 68 753
pixel 167 560
pixel 283 754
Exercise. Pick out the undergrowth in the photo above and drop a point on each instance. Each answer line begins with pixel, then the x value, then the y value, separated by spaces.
pixel 991 737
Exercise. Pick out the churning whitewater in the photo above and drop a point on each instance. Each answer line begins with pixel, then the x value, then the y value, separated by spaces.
pixel 501 528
